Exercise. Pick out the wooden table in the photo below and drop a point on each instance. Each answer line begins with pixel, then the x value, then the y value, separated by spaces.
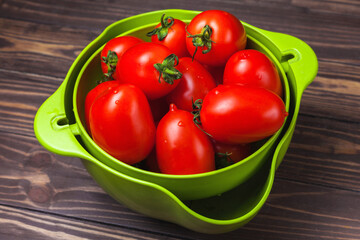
pixel 316 194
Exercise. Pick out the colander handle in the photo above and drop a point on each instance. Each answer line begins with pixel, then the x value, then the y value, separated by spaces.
pixel 297 58
pixel 53 131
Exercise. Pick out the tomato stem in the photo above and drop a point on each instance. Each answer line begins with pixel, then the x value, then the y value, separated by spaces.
pixel 202 40
pixel 163 30
pixel 196 112
pixel 223 159
pixel 110 60
pixel 167 69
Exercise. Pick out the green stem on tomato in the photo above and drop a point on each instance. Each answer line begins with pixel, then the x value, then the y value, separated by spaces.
pixel 223 159
pixel 167 69
pixel 202 40
pixel 196 106
pixel 163 30
pixel 110 60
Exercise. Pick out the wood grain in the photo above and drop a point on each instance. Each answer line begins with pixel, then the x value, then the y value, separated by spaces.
pixel 40 48
pixel 316 194
pixel 324 152
pixel 28 224
pixel 31 178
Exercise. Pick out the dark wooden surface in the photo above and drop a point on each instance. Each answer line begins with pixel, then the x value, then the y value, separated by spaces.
pixel 316 194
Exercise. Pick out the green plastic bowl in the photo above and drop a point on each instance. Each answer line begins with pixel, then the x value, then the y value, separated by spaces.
pixel 59 124
pixel 58 127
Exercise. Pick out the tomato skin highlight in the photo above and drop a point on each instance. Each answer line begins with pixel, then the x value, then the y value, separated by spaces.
pixel 228 36
pixel 237 114
pixel 118 45
pixel 175 39
pixel 93 94
pixel 181 147
pixel 121 123
pixel 253 68
pixel 195 83
pixel 137 67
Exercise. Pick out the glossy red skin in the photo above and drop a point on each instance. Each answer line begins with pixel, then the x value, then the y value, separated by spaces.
pixel 253 68
pixel 238 151
pixel 175 40
pixel 121 123
pixel 228 35
pixel 137 67
pixel 181 147
pixel 236 114
pixel 93 94
pixel 119 45
pixel 195 83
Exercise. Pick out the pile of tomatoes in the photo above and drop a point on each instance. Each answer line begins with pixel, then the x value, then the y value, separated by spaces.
pixel 190 100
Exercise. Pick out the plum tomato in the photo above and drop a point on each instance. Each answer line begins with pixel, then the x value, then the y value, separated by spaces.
pixel 215 35
pixel 195 83
pixel 227 154
pixel 171 33
pixel 93 94
pixel 121 122
pixel 112 52
pixel 236 114
pixel 181 147
pixel 253 68
pixel 151 67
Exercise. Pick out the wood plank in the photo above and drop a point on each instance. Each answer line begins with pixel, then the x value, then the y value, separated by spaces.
pixel 20 97
pixel 20 223
pixel 334 93
pixel 303 211
pixel 33 179
pixel 349 7
pixel 40 48
pixel 280 16
pixel 324 152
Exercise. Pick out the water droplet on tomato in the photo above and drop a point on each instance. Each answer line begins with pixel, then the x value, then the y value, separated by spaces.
pixel 115 92
pixel 180 124
pixel 216 92
pixel 117 101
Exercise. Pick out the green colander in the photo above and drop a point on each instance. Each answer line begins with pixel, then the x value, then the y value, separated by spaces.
pixel 59 123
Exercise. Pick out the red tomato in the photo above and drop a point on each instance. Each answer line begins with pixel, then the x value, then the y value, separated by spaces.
pixel 181 147
pixel 253 68
pixel 150 66
pixel 113 50
pixel 121 123
pixel 237 114
pixel 93 94
pixel 215 35
pixel 171 33
pixel 195 83
pixel 227 154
